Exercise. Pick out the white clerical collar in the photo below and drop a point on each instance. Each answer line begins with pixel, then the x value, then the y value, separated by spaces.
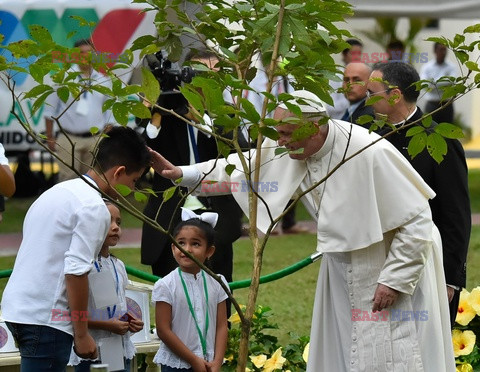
pixel 408 118
pixel 328 144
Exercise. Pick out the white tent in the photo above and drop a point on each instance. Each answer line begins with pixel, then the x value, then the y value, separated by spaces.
pixel 417 8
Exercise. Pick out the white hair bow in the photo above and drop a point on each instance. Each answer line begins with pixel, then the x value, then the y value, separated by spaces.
pixel 208 217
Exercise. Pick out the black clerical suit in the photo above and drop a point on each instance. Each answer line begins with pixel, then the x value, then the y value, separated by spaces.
pixel 451 205
pixel 359 111
pixel 173 143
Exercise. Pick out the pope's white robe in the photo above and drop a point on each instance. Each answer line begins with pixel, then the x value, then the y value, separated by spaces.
pixel 374 226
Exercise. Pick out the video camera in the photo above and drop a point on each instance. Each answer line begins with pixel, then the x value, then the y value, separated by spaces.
pixel 170 80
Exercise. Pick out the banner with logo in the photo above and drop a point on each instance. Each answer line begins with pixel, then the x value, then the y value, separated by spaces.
pixel 117 23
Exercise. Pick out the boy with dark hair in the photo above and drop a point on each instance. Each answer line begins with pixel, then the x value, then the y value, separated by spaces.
pixel 45 300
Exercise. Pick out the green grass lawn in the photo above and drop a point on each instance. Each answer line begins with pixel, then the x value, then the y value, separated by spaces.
pixel 290 298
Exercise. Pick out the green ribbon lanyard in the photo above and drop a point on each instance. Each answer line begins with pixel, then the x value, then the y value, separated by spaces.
pixel 203 337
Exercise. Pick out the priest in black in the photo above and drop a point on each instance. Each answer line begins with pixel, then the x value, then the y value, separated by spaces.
pixel 449 179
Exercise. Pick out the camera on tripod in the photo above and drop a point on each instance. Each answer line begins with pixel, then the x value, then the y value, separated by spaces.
pixel 170 80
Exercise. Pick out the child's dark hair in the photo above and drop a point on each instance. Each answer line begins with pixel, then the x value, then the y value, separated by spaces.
pixel 122 146
pixel 205 228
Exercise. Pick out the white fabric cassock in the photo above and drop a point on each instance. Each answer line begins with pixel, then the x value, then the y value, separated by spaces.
pixel 374 226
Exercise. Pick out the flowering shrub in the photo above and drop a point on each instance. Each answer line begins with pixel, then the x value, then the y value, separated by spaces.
pixel 465 331
pixel 265 353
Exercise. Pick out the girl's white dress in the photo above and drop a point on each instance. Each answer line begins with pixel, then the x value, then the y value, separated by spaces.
pixel 170 290
pixel 107 263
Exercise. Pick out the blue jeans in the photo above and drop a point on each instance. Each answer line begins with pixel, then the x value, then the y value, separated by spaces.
pixel 41 348
pixel 171 369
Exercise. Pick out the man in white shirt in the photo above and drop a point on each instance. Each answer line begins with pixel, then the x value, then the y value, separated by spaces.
pixel 381 251
pixel 77 118
pixel 45 300
pixel 433 71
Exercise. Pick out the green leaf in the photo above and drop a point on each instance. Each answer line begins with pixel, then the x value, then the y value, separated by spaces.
pixel 269 132
pixel 174 47
pixel 120 113
pixel 373 99
pixel 440 40
pixel 102 89
pixel 437 147
pixel 117 87
pixel 223 149
pixel 452 91
pixel 37 73
pixel 461 55
pixel 280 150
pixel 143 41
pixel 63 94
pixel 82 22
pixel 131 89
pixel 123 190
pixel 229 169
pixel 140 197
pixel 194 98
pixel 472 66
pixel 457 40
pixel 150 85
pixel 427 121
pixel 417 129
pixel 108 104
pixel 39 89
pixel 417 144
pixel 168 193
pixel 449 130
pixel 40 34
pixel 250 113
pixel 139 110
pixel 39 101
pixel 364 119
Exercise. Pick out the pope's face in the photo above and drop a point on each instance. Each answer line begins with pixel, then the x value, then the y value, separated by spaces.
pixel 310 145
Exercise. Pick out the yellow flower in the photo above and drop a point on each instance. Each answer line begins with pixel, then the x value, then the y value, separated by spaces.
pixel 464 368
pixel 463 342
pixel 234 318
pixel 228 358
pixel 258 360
pixel 275 362
pixel 474 300
pixel 305 352
pixel 465 312
pixel 247 369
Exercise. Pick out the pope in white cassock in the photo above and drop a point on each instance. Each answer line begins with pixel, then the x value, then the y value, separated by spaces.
pixel 381 250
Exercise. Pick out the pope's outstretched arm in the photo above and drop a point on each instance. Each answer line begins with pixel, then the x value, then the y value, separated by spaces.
pixel 163 167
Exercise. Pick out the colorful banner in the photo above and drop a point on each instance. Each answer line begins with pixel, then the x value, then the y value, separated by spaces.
pixel 117 23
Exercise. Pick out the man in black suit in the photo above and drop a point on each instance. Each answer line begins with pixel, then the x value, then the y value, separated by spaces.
pixel 182 144
pixel 355 79
pixel 449 179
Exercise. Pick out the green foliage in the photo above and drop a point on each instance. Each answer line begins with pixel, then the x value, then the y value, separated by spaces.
pixel 263 343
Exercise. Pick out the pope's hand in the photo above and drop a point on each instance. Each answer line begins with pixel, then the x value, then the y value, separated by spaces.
pixel 163 167
pixel 384 297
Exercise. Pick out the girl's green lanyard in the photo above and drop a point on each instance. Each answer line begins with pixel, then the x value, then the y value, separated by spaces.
pixel 203 337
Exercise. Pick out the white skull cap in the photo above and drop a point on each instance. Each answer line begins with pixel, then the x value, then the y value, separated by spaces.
pixel 313 104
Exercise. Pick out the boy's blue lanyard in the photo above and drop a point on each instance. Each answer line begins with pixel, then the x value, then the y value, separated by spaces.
pixel 110 312
pixel 203 337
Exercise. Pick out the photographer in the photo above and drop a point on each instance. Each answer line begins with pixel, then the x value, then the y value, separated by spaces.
pixel 183 144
